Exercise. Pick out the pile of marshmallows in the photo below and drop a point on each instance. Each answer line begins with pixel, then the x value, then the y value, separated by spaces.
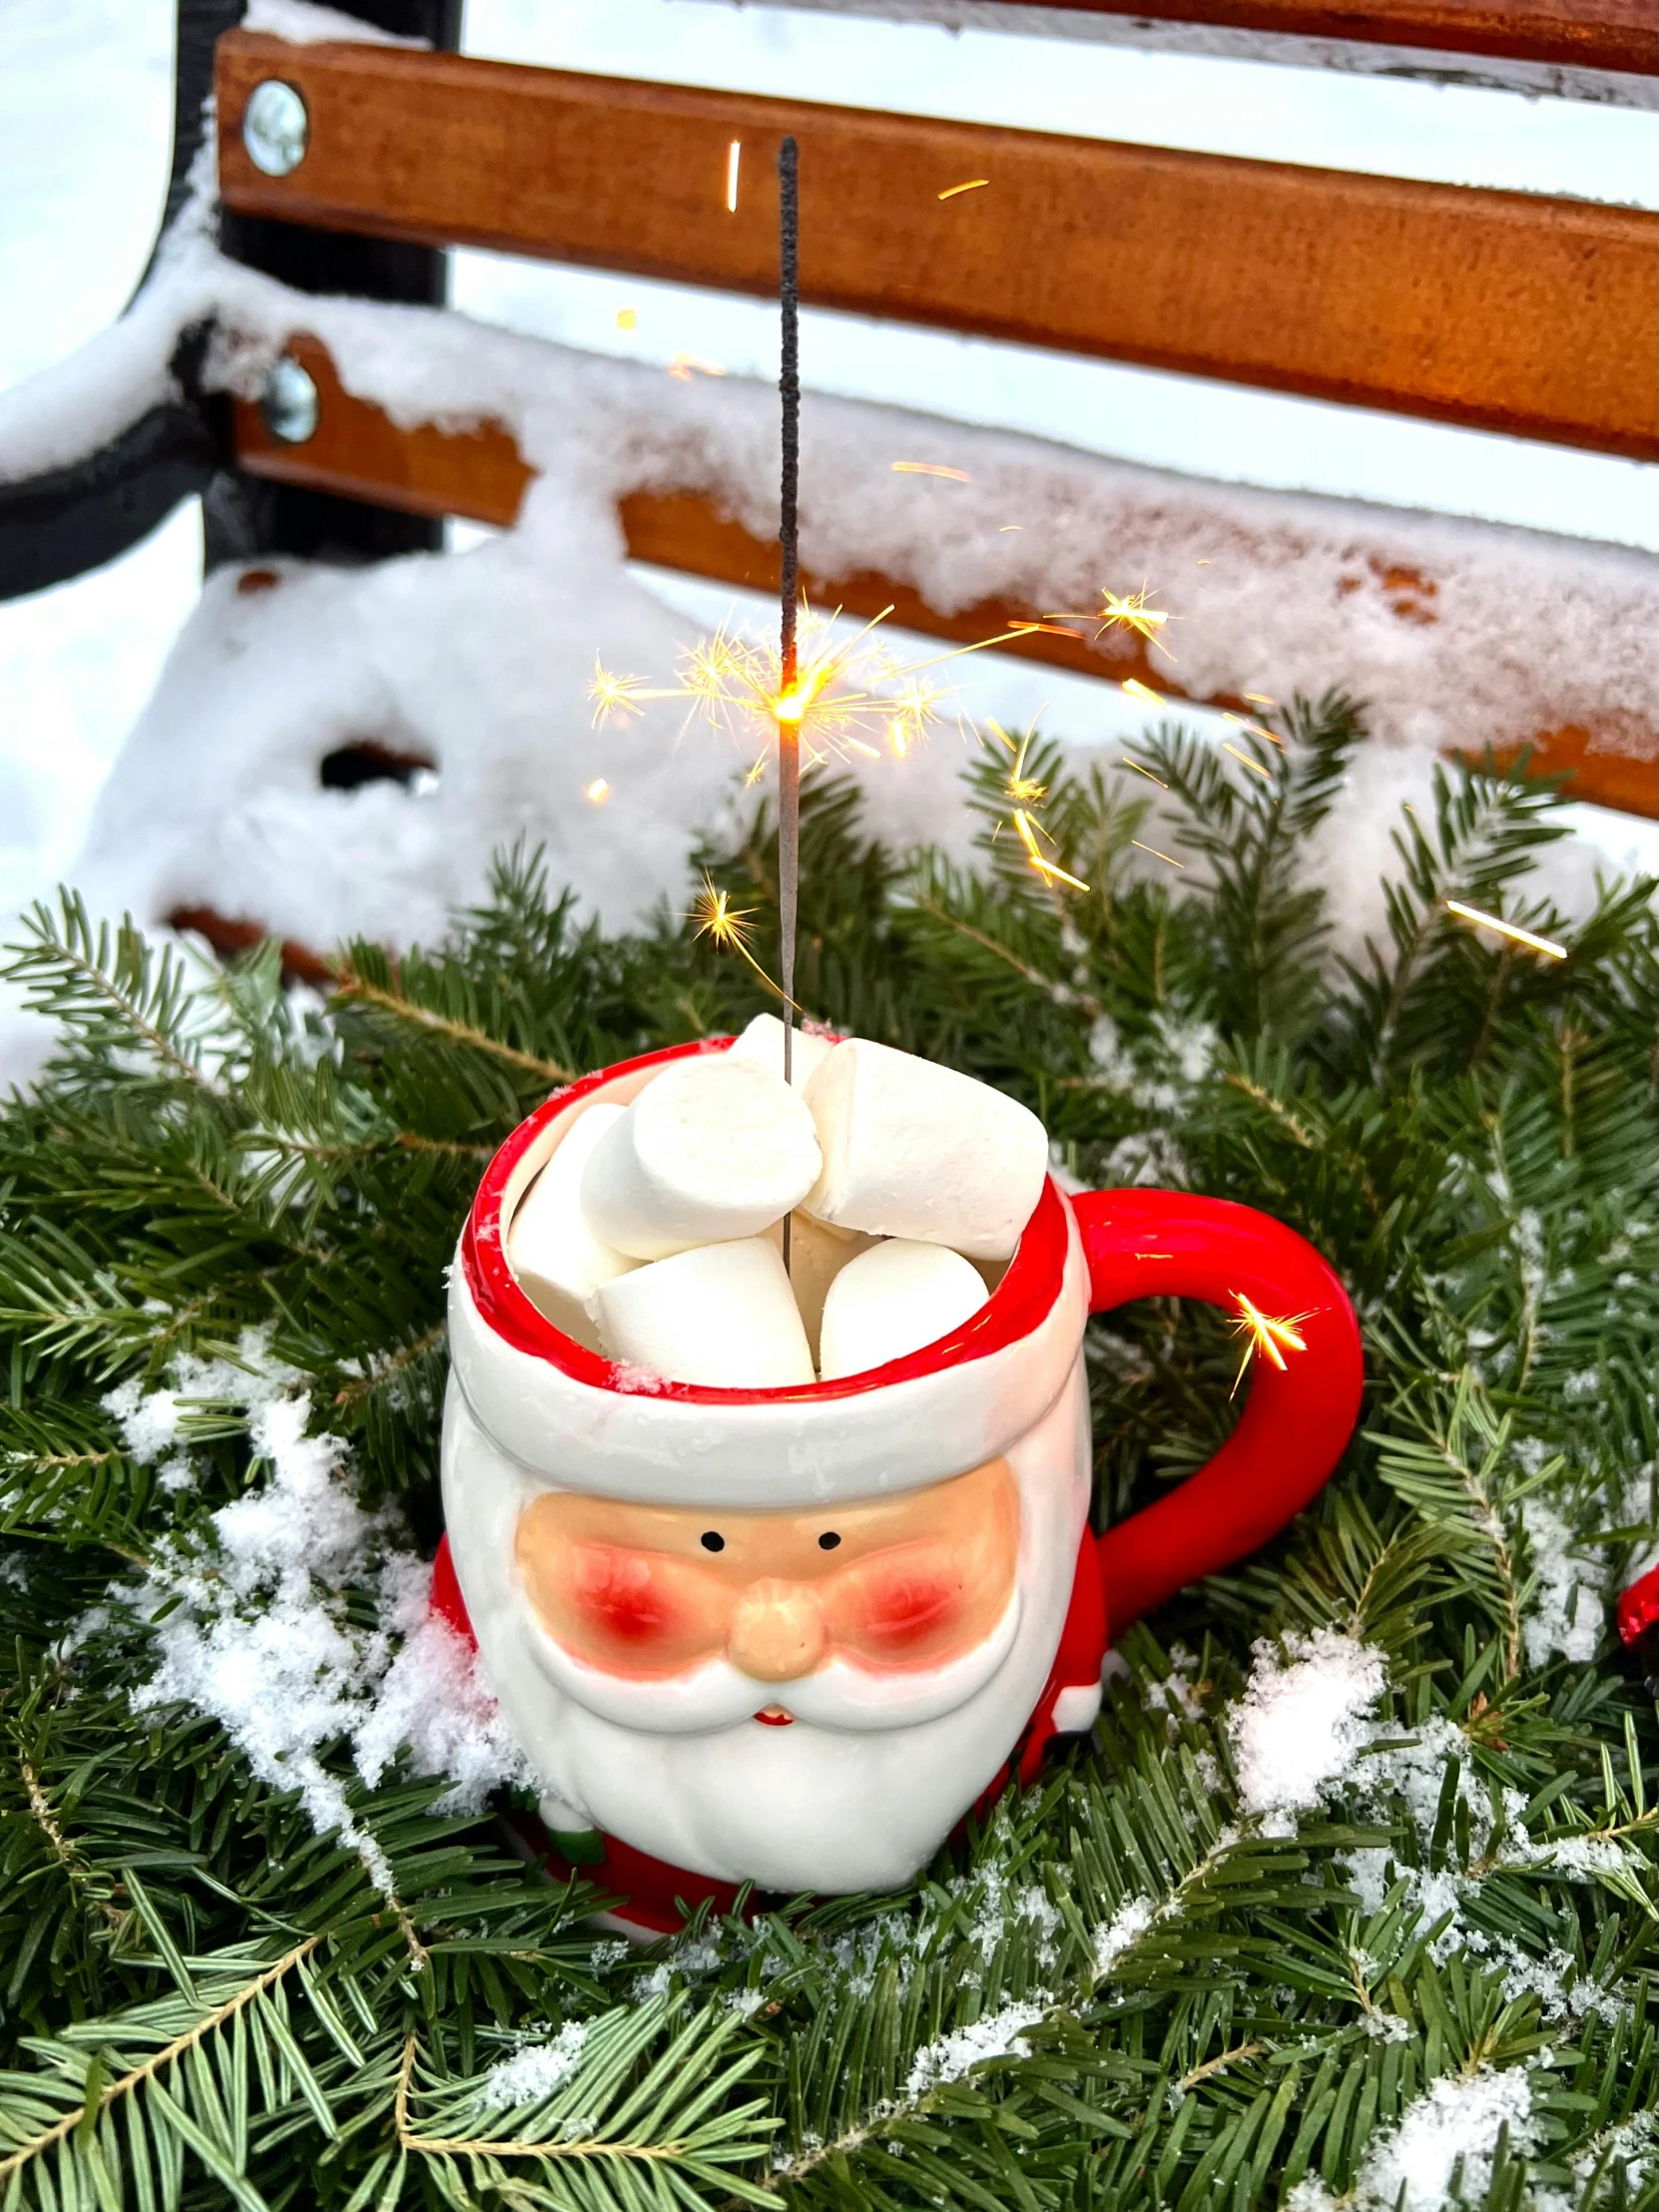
pixel 654 1235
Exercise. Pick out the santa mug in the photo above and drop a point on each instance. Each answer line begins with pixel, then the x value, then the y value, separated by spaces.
pixel 789 1637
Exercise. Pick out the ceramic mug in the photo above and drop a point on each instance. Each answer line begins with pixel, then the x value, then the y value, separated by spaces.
pixel 791 1636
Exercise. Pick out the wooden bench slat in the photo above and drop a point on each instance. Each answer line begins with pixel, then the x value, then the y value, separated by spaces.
pixel 1620 35
pixel 479 473
pixel 1500 310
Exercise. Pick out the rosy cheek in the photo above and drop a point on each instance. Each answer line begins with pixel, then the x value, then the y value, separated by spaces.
pixel 900 1611
pixel 617 1594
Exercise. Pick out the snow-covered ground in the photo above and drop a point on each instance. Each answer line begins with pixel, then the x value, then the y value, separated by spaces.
pixel 85 87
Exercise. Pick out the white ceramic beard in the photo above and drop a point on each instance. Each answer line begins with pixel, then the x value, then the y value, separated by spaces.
pixel 810 1807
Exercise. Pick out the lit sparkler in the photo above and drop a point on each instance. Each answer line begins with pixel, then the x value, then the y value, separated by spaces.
pixel 847 695
pixel 1546 946
pixel 1271 1336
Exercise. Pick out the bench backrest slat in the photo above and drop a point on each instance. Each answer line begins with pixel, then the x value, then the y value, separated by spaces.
pixel 1466 305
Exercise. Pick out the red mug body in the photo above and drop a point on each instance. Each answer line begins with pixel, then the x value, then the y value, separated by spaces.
pixel 820 1720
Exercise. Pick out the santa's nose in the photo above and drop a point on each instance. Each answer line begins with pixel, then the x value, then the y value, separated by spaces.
pixel 777 1632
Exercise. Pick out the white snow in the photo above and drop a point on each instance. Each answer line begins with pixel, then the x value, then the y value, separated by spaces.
pixel 1303 1720
pixel 483 662
pixel 1411 2168
pixel 149 1420
pixel 303 23
pixel 1128 1923
pixel 1001 2035
pixel 260 1635
pixel 1567 1611
pixel 536 2069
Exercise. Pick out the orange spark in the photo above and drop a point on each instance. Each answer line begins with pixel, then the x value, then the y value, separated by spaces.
pixel 931 468
pixel 1260 699
pixel 1546 945
pixel 1137 690
pixel 1153 849
pixel 727 927
pixel 1049 870
pixel 733 154
pixel 1242 721
pixel 1254 766
pixel 684 366
pixel 1133 613
pixel 1146 772
pixel 1263 1333
pixel 973 184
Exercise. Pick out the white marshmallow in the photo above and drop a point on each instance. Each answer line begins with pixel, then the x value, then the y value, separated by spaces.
pixel 723 1314
pixel 891 1299
pixel 557 1259
pixel 712 1149
pixel 762 1040
pixel 818 1253
pixel 915 1150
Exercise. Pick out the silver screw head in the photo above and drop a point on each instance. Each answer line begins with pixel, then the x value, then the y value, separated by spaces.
pixel 288 402
pixel 274 127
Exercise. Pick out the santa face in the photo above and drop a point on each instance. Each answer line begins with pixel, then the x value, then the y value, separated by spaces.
pixel 802 1714
pixel 897 1591
pixel 808 1716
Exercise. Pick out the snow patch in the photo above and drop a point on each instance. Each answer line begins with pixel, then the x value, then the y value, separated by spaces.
pixel 261 1635
pixel 303 23
pixel 536 2069
pixel 1000 2034
pixel 1411 2168
pixel 1303 1721
pixel 1128 1923
pixel 1566 1612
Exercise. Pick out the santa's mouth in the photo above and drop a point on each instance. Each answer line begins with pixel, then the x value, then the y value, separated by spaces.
pixel 774 1716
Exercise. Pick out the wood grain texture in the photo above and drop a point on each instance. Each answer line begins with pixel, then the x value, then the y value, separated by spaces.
pixel 480 474
pixel 1504 310
pixel 1619 35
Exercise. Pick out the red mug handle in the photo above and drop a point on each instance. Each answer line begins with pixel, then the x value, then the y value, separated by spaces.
pixel 1296 1420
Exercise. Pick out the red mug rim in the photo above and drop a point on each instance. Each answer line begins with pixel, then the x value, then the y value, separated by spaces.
pixel 1014 1308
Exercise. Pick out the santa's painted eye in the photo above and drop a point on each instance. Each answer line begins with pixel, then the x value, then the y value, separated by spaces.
pixel 829 1540
pixel 712 1540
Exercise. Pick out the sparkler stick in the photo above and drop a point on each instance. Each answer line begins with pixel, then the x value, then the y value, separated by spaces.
pixel 790 706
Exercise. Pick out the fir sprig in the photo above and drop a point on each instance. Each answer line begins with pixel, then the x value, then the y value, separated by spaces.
pixel 1130 1987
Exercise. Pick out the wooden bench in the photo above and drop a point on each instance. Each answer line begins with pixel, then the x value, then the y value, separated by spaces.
pixel 1498 310
pixel 1456 304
